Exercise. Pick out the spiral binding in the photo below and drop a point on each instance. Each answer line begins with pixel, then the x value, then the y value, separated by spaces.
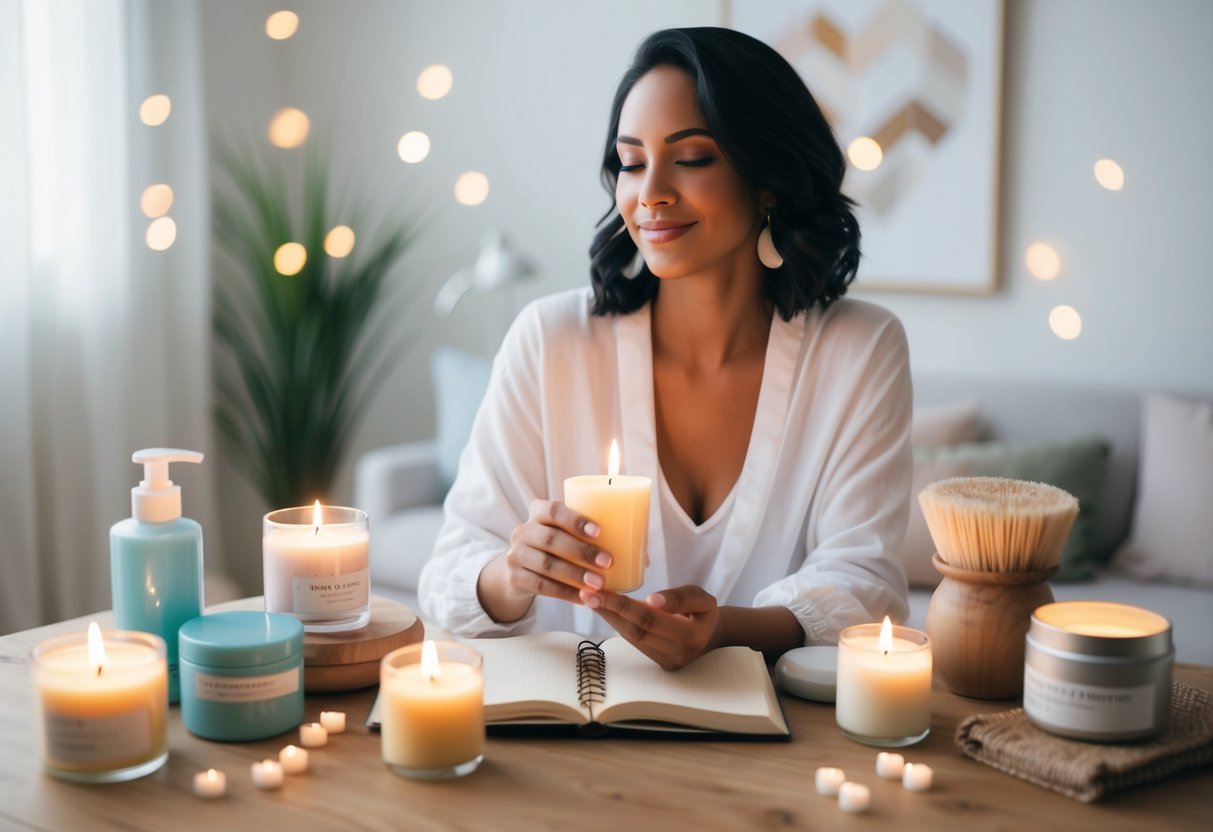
pixel 591 674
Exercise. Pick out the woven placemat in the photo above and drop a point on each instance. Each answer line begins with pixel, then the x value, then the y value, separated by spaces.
pixel 1087 771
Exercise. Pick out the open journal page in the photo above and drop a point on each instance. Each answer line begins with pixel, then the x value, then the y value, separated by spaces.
pixel 728 689
pixel 530 677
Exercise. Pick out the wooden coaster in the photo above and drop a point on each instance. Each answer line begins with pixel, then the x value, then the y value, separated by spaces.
pixel 350 660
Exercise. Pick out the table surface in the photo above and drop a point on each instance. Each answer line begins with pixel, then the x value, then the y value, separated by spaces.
pixel 534 783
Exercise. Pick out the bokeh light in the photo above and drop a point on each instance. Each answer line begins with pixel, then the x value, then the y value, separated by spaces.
pixel 339 242
pixel 161 233
pixel 1109 174
pixel 413 147
pixel 289 127
pixel 290 259
pixel 471 188
pixel 1043 261
pixel 155 110
pixel 156 200
pixel 281 25
pixel 865 153
pixel 1065 322
pixel 435 81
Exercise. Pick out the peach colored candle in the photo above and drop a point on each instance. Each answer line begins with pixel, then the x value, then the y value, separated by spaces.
pixel 433 709
pixel 102 704
pixel 620 506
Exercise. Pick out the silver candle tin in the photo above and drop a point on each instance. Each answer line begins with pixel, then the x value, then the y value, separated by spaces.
pixel 1098 671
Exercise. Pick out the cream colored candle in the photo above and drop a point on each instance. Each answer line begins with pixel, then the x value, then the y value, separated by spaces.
pixel 620 506
pixel 829 780
pixel 333 721
pixel 854 797
pixel 433 709
pixel 917 777
pixel 102 701
pixel 210 784
pixel 313 735
pixel 267 775
pixel 884 684
pixel 316 565
pixel 293 759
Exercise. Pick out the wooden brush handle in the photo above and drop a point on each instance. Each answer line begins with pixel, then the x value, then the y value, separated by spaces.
pixel 977 576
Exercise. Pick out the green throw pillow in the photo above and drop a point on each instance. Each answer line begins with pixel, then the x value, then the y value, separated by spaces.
pixel 1079 466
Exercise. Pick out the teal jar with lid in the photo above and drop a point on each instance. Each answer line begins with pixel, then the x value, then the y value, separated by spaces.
pixel 241 675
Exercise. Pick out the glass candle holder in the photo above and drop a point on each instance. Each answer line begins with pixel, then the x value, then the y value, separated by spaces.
pixel 884 685
pixel 316 566
pixel 102 720
pixel 432 710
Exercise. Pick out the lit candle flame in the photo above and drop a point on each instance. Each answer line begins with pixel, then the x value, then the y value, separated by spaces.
pixel 212 775
pixel 430 668
pixel 886 635
pixel 97 660
pixel 613 462
pixel 317 516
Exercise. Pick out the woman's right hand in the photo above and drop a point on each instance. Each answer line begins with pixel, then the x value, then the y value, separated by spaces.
pixel 551 554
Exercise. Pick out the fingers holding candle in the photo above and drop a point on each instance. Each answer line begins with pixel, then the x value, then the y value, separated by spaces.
pixel 673 628
pixel 620 505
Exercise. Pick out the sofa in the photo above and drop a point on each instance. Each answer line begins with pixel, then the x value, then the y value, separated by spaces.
pixel 963 426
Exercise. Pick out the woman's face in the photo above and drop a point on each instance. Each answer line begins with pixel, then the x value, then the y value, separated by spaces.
pixel 686 208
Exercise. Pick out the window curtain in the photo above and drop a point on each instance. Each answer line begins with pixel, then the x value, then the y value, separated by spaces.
pixel 104 343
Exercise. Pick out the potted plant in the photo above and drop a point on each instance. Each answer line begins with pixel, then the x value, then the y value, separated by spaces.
pixel 303 334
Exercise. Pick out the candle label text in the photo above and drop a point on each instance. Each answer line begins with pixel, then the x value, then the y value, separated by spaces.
pixel 246 688
pixel 1087 707
pixel 93 741
pixel 332 593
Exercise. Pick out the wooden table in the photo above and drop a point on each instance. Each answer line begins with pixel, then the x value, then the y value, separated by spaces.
pixel 534 784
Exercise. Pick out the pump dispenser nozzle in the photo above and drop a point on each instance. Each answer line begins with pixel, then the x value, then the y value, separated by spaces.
pixel 156 499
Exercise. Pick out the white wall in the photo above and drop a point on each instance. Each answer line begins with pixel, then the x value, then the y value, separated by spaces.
pixel 533 82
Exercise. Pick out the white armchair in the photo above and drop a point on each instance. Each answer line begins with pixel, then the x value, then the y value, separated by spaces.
pixel 401 487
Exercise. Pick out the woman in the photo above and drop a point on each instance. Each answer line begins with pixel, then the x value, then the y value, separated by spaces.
pixel 772 417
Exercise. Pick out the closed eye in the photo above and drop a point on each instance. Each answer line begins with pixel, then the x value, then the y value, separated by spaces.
pixel 696 163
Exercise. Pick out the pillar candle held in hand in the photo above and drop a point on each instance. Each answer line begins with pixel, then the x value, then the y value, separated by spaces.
pixel 102 704
pixel 433 710
pixel 316 566
pixel 884 684
pixel 620 506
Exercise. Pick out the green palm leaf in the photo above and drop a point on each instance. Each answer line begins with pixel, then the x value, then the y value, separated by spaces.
pixel 299 357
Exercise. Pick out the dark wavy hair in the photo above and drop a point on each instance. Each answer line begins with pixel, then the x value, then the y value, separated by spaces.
pixel 771 130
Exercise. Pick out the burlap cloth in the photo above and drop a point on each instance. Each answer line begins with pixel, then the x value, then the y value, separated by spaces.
pixel 1087 771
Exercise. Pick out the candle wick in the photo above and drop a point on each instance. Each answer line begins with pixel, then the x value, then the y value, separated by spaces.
pixel 610 480
pixel 99 667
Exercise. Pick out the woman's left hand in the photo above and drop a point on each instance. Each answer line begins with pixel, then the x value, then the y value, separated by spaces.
pixel 672 627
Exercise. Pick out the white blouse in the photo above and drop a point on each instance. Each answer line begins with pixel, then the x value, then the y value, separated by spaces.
pixel 812 523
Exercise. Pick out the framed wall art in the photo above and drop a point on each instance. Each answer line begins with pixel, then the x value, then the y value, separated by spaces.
pixel 913 91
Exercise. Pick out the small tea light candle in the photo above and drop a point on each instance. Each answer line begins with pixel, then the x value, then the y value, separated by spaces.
pixel 854 797
pixel 293 760
pixel 210 784
pixel 313 735
pixel 267 775
pixel 333 721
pixel 890 766
pixel 917 777
pixel 828 780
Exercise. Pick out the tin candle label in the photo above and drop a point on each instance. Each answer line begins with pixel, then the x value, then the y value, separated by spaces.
pixel 1087 707
pixel 332 593
pixel 98 740
pixel 246 688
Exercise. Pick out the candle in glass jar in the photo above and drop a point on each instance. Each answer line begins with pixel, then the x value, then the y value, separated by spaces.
pixel 620 506
pixel 102 704
pixel 433 710
pixel 884 684
pixel 316 566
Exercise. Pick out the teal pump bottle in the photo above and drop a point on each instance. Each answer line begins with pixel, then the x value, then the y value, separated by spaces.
pixel 156 558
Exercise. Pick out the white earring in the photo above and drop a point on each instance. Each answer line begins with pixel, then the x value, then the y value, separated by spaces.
pixel 632 270
pixel 767 253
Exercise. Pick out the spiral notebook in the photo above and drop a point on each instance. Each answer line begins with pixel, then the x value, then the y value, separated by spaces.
pixel 561 679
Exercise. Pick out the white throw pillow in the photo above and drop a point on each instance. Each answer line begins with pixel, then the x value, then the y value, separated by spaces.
pixel 1172 536
pixel 936 425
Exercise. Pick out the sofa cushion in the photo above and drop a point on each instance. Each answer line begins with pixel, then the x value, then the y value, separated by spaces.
pixel 1078 466
pixel 936 425
pixel 1172 536
pixel 460 379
